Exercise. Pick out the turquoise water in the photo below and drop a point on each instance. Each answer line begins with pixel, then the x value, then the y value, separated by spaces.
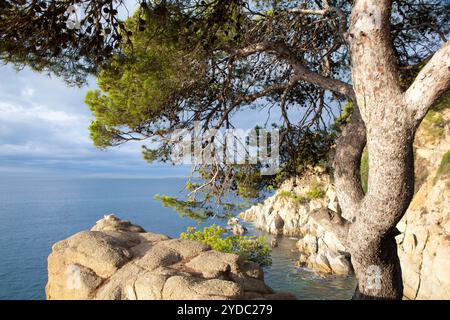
pixel 37 212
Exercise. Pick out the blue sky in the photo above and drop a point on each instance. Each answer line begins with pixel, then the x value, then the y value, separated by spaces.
pixel 44 131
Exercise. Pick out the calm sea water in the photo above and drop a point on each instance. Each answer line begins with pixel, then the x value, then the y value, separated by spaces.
pixel 37 212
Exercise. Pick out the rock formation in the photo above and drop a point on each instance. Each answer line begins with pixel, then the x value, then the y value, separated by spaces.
pixel 295 211
pixel 424 242
pixel 119 260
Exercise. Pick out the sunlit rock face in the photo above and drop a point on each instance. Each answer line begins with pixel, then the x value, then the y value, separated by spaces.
pixel 424 241
pixel 119 260
pixel 424 244
pixel 289 213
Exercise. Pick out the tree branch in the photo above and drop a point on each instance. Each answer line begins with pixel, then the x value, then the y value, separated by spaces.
pixel 347 160
pixel 431 82
pixel 374 68
pixel 301 72
pixel 326 10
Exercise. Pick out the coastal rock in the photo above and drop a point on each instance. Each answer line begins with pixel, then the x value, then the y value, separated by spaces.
pixel 118 260
pixel 274 243
pixel 424 245
pixel 290 213
pixel 423 242
pixel 214 264
pixel 319 262
pixel 101 253
pixel 111 223
pixel 235 227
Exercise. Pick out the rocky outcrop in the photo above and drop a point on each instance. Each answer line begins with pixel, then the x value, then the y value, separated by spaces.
pixel 294 211
pixel 424 240
pixel 119 260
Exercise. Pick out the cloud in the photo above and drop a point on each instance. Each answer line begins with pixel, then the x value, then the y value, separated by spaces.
pixel 44 129
pixel 27 92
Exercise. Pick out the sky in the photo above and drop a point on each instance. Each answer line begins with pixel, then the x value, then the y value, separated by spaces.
pixel 44 131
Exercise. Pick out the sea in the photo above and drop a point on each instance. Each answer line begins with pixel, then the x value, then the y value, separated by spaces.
pixel 36 212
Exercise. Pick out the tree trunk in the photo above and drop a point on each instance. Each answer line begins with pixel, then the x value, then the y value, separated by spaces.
pixel 385 118
pixel 377 269
pixel 372 236
pixel 389 135
pixel 390 190
pixel 373 218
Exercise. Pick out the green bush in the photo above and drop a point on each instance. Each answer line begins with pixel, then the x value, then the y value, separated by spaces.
pixel 432 127
pixel 284 194
pixel 364 169
pixel 295 198
pixel 444 167
pixel 249 248
pixel 315 192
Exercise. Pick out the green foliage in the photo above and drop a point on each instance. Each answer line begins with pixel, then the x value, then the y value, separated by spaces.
pixel 443 103
pixel 285 194
pixel 444 167
pixel 249 248
pixel 315 192
pixel 300 151
pixel 343 118
pixel 189 208
pixel 139 84
pixel 248 184
pixel 364 169
pixel 199 210
pixel 295 198
pixel 432 126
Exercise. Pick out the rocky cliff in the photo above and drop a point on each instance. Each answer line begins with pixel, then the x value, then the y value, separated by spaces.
pixel 424 242
pixel 302 207
pixel 297 210
pixel 119 260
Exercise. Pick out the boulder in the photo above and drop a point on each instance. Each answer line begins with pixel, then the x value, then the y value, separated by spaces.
pixel 191 288
pixel 424 245
pixel 117 260
pixel 214 264
pixel 111 222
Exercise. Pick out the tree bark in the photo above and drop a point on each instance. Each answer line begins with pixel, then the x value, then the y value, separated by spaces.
pixel 389 137
pixel 371 236
pixel 390 117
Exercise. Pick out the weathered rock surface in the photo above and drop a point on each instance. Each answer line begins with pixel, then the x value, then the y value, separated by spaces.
pixel 289 213
pixel 119 260
pixel 424 240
